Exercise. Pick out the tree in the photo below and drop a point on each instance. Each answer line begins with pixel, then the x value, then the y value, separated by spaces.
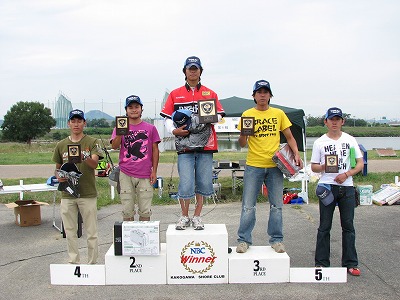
pixel 26 121
pixel 101 123
pixel 315 121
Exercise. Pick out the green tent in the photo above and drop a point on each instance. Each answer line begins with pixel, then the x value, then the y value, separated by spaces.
pixel 235 106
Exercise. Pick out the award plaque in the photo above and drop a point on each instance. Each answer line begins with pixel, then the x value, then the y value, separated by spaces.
pixel 122 125
pixel 331 163
pixel 247 125
pixel 207 111
pixel 74 154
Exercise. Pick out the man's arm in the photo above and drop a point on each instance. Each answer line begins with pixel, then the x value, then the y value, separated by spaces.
pixel 116 142
pixel 242 140
pixel 155 159
pixel 92 161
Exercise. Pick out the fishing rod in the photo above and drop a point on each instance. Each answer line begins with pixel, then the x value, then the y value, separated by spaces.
pixel 108 156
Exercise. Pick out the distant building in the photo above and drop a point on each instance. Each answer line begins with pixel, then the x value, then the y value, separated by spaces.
pixel 62 108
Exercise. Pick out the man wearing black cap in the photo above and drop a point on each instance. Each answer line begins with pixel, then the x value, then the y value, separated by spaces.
pixel 260 168
pixel 138 161
pixel 194 164
pixel 331 157
pixel 86 203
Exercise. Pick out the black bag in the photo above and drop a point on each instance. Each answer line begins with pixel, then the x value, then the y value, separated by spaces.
pixel 356 196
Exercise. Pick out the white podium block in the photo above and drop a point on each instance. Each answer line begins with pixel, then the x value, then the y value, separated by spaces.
pixel 318 275
pixel 70 274
pixel 197 256
pixel 136 269
pixel 260 264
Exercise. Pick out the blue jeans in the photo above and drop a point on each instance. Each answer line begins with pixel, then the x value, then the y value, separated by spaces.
pixel 253 179
pixel 195 174
pixel 344 197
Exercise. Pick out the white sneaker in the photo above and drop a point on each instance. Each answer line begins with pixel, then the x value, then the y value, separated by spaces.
pixel 279 247
pixel 242 247
pixel 197 223
pixel 182 223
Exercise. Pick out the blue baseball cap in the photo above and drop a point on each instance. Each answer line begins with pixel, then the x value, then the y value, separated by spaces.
pixel 334 112
pixel 324 193
pixel 261 84
pixel 182 117
pixel 132 99
pixel 193 61
pixel 76 113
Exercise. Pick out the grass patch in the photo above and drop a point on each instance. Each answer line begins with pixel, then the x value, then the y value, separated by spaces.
pixel 104 192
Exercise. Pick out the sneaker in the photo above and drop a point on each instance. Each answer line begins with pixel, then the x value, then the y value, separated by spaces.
pixel 354 271
pixel 242 247
pixel 197 223
pixel 182 223
pixel 279 247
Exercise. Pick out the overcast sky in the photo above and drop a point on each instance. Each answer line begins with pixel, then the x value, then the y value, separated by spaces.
pixel 315 54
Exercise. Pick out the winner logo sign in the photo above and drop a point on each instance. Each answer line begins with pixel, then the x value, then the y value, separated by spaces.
pixel 198 257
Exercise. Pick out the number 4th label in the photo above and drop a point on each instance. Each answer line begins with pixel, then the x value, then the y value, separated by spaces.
pixel 79 274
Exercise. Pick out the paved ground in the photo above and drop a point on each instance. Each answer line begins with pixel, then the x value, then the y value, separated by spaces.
pixel 27 252
pixel 164 170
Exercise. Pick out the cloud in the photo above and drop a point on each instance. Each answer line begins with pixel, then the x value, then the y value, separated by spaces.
pixel 314 53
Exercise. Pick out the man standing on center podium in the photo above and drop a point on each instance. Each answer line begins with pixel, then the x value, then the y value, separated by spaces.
pixel 194 164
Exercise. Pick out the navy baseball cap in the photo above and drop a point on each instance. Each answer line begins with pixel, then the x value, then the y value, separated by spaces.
pixel 324 193
pixel 333 112
pixel 261 84
pixel 76 113
pixel 132 99
pixel 193 61
pixel 182 117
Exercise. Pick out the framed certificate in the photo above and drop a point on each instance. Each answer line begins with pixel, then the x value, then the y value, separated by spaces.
pixel 208 111
pixel 122 125
pixel 331 163
pixel 247 125
pixel 74 154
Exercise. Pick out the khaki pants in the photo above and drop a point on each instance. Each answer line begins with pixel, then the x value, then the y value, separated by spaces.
pixel 69 214
pixel 135 191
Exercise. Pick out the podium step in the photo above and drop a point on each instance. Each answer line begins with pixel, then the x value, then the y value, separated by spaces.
pixel 136 269
pixel 70 274
pixel 260 264
pixel 197 256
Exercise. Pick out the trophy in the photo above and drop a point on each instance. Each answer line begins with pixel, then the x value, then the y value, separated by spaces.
pixel 331 163
pixel 74 154
pixel 122 125
pixel 247 125
pixel 207 111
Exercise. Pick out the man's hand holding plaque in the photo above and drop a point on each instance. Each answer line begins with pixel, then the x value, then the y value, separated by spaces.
pixel 331 163
pixel 247 125
pixel 74 154
pixel 207 111
pixel 122 125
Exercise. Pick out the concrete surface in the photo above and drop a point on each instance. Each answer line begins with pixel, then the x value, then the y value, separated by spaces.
pixel 27 252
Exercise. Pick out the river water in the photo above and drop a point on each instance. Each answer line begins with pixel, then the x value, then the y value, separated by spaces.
pixel 369 143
